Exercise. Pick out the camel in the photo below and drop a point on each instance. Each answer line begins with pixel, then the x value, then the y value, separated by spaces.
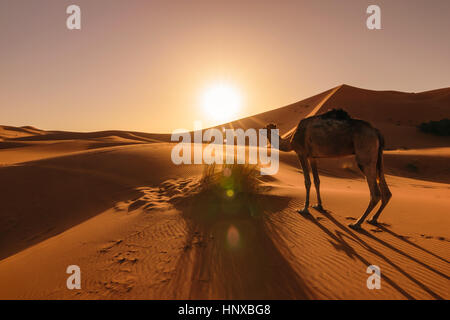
pixel 336 134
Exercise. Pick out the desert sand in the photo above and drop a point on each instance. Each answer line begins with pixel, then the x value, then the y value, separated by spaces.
pixel 114 204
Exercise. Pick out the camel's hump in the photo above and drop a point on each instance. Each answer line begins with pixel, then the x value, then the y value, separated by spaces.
pixel 338 114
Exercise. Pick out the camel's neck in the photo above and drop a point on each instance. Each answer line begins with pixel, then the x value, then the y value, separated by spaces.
pixel 284 143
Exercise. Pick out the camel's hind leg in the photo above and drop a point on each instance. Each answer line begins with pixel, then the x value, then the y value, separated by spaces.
pixel 305 167
pixel 370 171
pixel 315 173
pixel 385 195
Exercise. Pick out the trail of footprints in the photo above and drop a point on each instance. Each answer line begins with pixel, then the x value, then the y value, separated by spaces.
pixel 145 258
pixel 162 197
pixel 146 248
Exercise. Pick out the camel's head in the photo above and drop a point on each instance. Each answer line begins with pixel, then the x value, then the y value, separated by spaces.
pixel 270 126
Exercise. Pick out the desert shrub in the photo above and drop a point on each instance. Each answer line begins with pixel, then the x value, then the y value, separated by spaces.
pixel 231 180
pixel 439 128
pixel 228 191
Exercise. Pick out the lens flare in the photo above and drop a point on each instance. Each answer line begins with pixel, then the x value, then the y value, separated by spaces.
pixel 233 237
pixel 227 172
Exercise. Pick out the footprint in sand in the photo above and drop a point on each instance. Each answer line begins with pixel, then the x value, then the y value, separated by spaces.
pixel 431 237
pixel 110 245
pixel 162 197
pixel 123 259
pixel 136 205
pixel 120 284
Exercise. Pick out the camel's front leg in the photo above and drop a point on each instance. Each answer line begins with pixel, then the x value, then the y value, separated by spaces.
pixel 305 167
pixel 315 173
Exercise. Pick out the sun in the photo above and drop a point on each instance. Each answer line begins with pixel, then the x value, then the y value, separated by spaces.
pixel 221 101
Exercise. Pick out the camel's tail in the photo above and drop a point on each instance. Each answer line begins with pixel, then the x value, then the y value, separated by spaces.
pixel 385 192
pixel 384 188
pixel 380 165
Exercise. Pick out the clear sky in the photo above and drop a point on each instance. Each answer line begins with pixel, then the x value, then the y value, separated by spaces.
pixel 144 64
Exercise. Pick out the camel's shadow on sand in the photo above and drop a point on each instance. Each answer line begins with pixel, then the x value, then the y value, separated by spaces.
pixel 339 242
pixel 234 250
pixel 240 255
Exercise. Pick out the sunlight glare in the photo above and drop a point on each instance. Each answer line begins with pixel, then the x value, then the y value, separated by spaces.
pixel 221 102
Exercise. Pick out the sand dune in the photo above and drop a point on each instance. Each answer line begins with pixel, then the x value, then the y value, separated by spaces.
pixel 285 117
pixel 399 108
pixel 64 135
pixel 28 144
pixel 396 114
pixel 113 203
pixel 10 132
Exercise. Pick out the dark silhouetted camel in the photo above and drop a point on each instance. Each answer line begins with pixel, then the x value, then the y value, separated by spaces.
pixel 336 134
